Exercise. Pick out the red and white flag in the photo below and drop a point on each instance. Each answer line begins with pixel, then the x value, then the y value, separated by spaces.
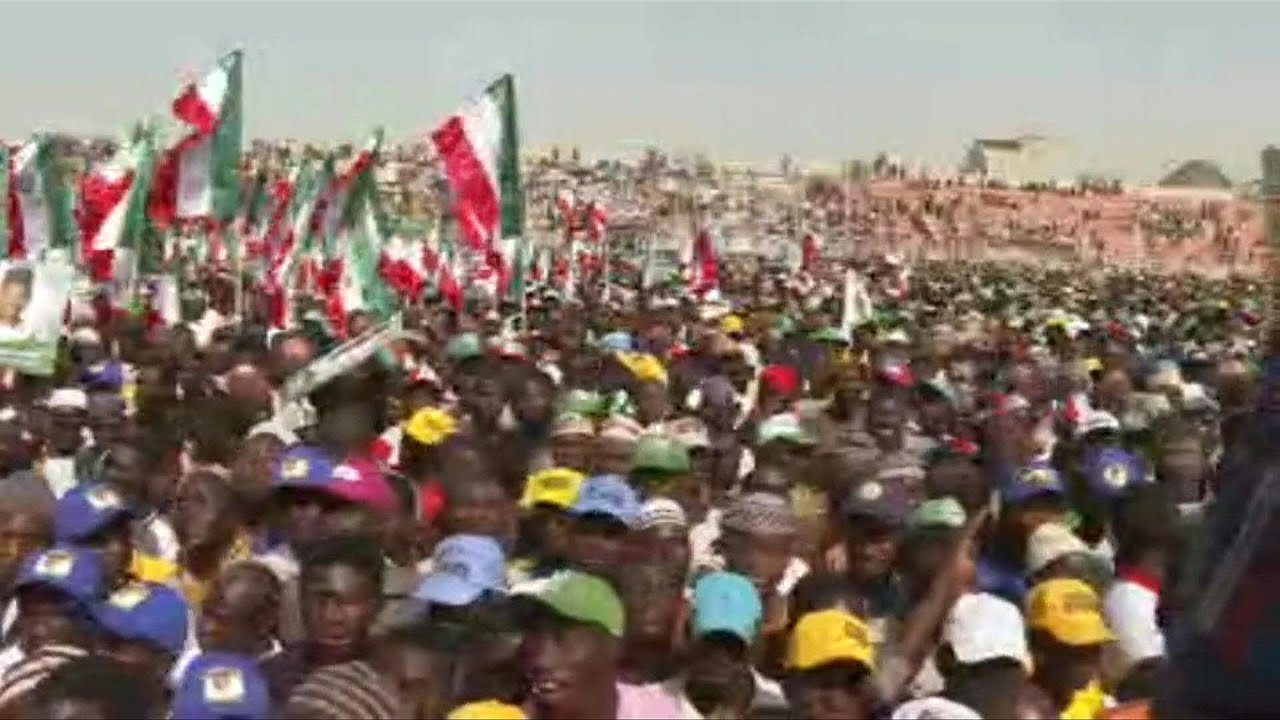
pixel 480 150
pixel 198 173
pixel 597 221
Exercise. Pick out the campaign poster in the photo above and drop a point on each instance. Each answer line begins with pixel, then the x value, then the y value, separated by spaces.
pixel 33 300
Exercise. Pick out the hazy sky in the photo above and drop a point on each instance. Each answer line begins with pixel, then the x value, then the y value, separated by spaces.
pixel 1128 88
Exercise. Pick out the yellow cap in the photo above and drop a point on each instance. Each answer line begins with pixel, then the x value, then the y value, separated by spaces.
pixel 486 710
pixel 730 324
pixel 829 636
pixel 1093 364
pixel 1069 610
pixel 643 366
pixel 430 426
pixel 553 486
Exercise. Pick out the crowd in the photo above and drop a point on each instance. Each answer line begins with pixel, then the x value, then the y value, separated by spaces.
pixel 1003 493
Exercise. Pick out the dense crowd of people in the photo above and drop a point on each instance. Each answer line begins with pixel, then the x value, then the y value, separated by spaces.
pixel 1002 493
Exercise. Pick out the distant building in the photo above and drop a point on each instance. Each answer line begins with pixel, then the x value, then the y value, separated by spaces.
pixel 1012 161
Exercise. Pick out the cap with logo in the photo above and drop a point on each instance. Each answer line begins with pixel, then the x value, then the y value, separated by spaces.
pixel 827 637
pixel 145 612
pixel 725 602
pixel 884 501
pixel 222 686
pixel 360 481
pixel 463 568
pixel 302 466
pixel 661 513
pixel 555 487
pixel 1039 479
pixel 610 496
pixel 73 571
pixel 1111 471
pixel 1069 611
pixel 86 510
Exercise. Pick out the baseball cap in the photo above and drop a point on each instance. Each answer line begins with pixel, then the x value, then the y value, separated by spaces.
pixel 222 686
pixel 617 340
pixel 984 627
pixel 67 398
pixel 73 571
pixel 1034 480
pixel 782 427
pixel 572 424
pixel 886 502
pixel 727 602
pixel 1112 470
pixel 620 429
pixel 430 426
pixel 582 598
pixel 607 495
pixel 730 324
pixel 943 512
pixel 661 512
pixel 1049 542
pixel 302 466
pixel 464 346
pixel 145 612
pixel 361 482
pixel 557 487
pixel 1097 421
pixel 85 510
pixel 1069 610
pixel 689 432
pixel 486 710
pixel 463 567
pixel 656 453
pixel 829 636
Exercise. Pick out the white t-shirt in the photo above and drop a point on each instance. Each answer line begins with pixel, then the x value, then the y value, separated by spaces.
pixel 1130 611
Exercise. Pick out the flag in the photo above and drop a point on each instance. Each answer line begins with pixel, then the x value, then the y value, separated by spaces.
pixel 567 205
pixel 480 149
pixel 810 249
pixel 113 207
pixel 198 173
pixel 40 208
pixel 363 234
pixel 706 265
pixel 856 308
pixel 284 240
pixel 597 221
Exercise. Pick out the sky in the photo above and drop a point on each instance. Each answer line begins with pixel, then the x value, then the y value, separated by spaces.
pixel 1129 89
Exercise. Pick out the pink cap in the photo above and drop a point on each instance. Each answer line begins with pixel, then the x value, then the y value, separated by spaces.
pixel 360 481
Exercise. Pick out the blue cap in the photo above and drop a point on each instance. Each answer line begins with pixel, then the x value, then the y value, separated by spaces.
pixel 1112 470
pixel 145 612
pixel 607 495
pixel 1035 480
pixel 87 509
pixel 729 603
pixel 303 466
pixel 617 340
pixel 222 686
pixel 76 572
pixel 464 567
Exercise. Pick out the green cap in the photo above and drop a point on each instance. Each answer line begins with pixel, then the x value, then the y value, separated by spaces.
pixel 464 347
pixel 943 512
pixel 830 334
pixel 783 427
pixel 582 402
pixel 583 598
pixel 661 454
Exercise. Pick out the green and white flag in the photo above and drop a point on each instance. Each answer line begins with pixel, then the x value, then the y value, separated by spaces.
pixel 44 216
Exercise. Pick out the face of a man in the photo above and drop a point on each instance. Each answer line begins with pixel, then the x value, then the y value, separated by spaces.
pixel 231 617
pixel 13 298
pixel 564 660
pixel 338 606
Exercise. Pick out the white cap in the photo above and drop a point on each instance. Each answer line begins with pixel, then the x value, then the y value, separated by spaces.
pixel 1195 399
pixel 929 708
pixel 983 627
pixel 662 512
pixel 275 428
pixel 68 399
pixel 1049 542
pixel 1097 420
pixel 85 335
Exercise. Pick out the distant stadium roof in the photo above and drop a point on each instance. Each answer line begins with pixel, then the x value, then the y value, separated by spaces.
pixel 1197 174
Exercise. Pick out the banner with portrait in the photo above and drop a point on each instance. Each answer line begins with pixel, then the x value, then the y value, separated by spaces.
pixel 33 300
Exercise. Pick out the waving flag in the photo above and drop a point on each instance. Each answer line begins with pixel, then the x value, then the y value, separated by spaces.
pixel 480 150
pixel 198 174
pixel 597 221
pixel 113 207
pixel 39 203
